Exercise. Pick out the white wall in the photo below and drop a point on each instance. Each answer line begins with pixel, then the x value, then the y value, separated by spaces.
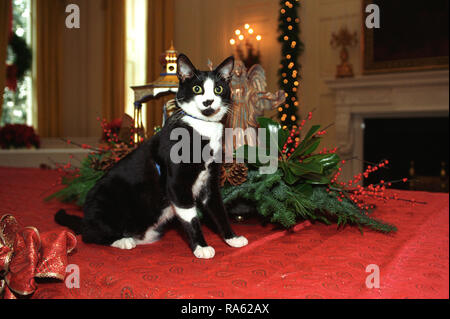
pixel 319 19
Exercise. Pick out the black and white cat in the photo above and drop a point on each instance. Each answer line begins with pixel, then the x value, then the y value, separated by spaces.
pixel 132 202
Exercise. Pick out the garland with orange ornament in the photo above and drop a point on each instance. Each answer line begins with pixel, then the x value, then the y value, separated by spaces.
pixel 289 71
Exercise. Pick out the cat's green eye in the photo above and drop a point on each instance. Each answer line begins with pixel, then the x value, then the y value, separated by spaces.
pixel 218 89
pixel 197 89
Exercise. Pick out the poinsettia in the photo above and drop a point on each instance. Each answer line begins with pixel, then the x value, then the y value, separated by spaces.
pixel 17 136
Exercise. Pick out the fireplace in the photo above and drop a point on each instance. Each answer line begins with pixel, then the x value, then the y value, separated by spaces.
pixel 417 148
pixel 363 100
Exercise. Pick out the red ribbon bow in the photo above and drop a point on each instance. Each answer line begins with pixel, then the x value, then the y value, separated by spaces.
pixel 25 255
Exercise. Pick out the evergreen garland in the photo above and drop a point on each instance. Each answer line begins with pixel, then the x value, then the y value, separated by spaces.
pixel 281 203
pixel 78 184
pixel 291 48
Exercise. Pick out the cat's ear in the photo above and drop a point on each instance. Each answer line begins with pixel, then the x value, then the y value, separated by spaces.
pixel 225 69
pixel 185 68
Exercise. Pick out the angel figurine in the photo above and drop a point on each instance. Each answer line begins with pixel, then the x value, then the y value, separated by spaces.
pixel 250 99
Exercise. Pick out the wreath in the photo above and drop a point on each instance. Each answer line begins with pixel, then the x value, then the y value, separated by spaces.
pixel 21 61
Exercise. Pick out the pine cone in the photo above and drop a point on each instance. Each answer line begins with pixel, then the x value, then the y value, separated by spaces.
pixel 233 173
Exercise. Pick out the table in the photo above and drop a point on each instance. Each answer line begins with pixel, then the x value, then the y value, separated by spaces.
pixel 310 261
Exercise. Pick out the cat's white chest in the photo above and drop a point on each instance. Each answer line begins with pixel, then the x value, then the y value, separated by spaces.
pixel 211 130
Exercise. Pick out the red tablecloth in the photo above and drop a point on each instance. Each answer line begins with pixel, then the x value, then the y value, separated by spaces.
pixel 313 261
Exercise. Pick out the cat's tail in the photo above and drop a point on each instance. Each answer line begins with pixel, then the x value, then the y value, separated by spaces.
pixel 71 221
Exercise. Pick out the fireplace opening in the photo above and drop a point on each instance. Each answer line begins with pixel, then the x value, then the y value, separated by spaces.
pixel 417 148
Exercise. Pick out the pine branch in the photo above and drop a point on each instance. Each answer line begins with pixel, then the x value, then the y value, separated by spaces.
pixel 285 205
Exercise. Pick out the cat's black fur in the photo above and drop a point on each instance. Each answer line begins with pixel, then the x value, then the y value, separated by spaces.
pixel 132 197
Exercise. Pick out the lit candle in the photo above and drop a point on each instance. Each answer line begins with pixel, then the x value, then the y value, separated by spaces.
pixel 258 40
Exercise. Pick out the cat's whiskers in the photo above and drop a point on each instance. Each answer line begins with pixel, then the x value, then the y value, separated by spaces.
pixel 228 106
pixel 179 99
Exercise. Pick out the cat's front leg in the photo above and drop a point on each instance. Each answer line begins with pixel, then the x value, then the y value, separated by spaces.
pixel 191 225
pixel 215 208
pixel 237 241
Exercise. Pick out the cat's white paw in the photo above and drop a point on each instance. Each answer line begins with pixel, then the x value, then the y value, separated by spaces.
pixel 204 252
pixel 124 243
pixel 239 241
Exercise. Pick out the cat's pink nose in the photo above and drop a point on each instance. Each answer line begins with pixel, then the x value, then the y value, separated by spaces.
pixel 208 102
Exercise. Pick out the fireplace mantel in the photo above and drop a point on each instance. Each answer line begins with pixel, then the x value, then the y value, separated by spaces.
pixel 409 94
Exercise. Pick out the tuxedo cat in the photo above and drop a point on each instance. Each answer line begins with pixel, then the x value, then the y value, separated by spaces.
pixel 131 203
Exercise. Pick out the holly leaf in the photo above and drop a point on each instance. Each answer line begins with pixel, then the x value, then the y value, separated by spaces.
pixel 311 146
pixel 304 144
pixel 300 169
pixel 329 162
pixel 282 138
pixel 273 128
pixel 289 177
pixel 315 179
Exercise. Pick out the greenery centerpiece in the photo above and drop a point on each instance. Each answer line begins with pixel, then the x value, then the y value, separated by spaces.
pixel 304 186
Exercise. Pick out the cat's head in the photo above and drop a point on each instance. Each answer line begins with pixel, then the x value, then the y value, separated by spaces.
pixel 205 95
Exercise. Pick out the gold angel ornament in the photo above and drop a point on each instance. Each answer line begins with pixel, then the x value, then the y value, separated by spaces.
pixel 250 100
